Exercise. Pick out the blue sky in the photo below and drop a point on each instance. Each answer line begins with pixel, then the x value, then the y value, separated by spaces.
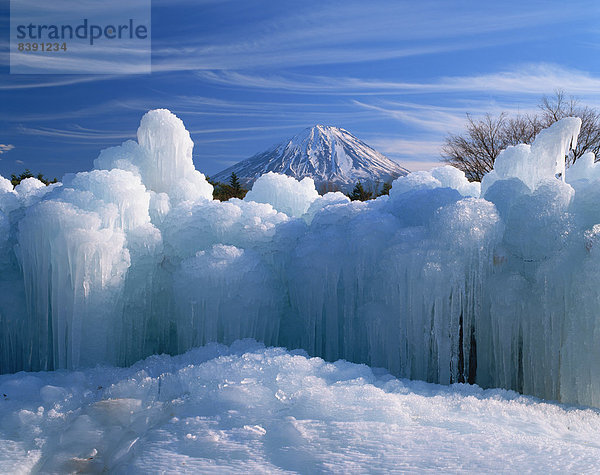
pixel 246 75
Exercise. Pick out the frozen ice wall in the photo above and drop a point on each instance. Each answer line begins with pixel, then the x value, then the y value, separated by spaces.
pixel 440 280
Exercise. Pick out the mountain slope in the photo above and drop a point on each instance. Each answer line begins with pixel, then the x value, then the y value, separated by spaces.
pixel 331 156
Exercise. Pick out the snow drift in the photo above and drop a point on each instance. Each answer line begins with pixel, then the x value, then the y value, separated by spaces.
pixel 249 409
pixel 440 281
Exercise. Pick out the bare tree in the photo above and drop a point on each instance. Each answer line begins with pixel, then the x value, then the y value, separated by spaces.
pixel 475 151
pixel 521 129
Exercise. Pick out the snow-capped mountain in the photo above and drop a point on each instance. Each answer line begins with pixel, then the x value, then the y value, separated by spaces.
pixel 331 156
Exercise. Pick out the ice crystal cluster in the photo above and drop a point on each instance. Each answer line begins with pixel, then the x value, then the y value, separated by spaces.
pixel 442 280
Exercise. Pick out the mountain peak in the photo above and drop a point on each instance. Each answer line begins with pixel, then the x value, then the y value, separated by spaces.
pixel 331 156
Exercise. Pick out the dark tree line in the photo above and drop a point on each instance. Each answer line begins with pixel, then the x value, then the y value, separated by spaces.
pixel 225 191
pixel 475 151
pixel 234 189
pixel 360 194
pixel 16 179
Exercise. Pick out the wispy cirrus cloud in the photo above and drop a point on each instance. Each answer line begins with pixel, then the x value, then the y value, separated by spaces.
pixel 301 35
pixel 307 36
pixel 415 154
pixel 430 118
pixel 78 134
pixel 532 78
pixel 536 78
pixel 397 147
pixel 17 82
pixel 230 130
pixel 227 58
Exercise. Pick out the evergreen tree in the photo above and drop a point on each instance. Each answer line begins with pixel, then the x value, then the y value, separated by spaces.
pixel 386 189
pixel 212 182
pixel 236 186
pixel 360 194
pixel 224 191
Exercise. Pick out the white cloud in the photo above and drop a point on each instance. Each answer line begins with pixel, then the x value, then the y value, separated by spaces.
pixel 536 78
pixel 78 134
pixel 31 82
pixel 413 154
pixel 533 78
pixel 432 119
pixel 244 129
pixel 6 147
pixel 351 33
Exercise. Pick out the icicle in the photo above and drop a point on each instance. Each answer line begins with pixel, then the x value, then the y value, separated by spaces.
pixel 432 282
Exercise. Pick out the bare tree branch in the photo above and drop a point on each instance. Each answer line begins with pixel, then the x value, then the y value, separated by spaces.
pixel 475 151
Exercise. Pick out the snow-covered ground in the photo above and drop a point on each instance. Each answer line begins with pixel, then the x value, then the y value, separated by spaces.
pixel 247 408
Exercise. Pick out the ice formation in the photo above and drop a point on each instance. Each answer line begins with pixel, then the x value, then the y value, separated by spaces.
pixel 249 409
pixel 439 281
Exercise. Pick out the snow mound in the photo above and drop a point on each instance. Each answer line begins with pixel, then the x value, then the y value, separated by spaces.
pixel 247 408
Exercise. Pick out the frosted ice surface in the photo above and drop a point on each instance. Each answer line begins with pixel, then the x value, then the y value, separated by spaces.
pixel 71 271
pixel 434 282
pixel 419 180
pixel 440 177
pixel 5 185
pixel 126 157
pixel 29 186
pixel 9 200
pixel 192 227
pixel 504 193
pixel 4 227
pixel 538 225
pixel 162 156
pixel 226 274
pixel 418 207
pixel 247 408
pixel 584 169
pixel 119 187
pixel 544 159
pixel 328 199
pixel 452 177
pixel 167 164
pixel 159 207
pixel 284 193
pixel 31 190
